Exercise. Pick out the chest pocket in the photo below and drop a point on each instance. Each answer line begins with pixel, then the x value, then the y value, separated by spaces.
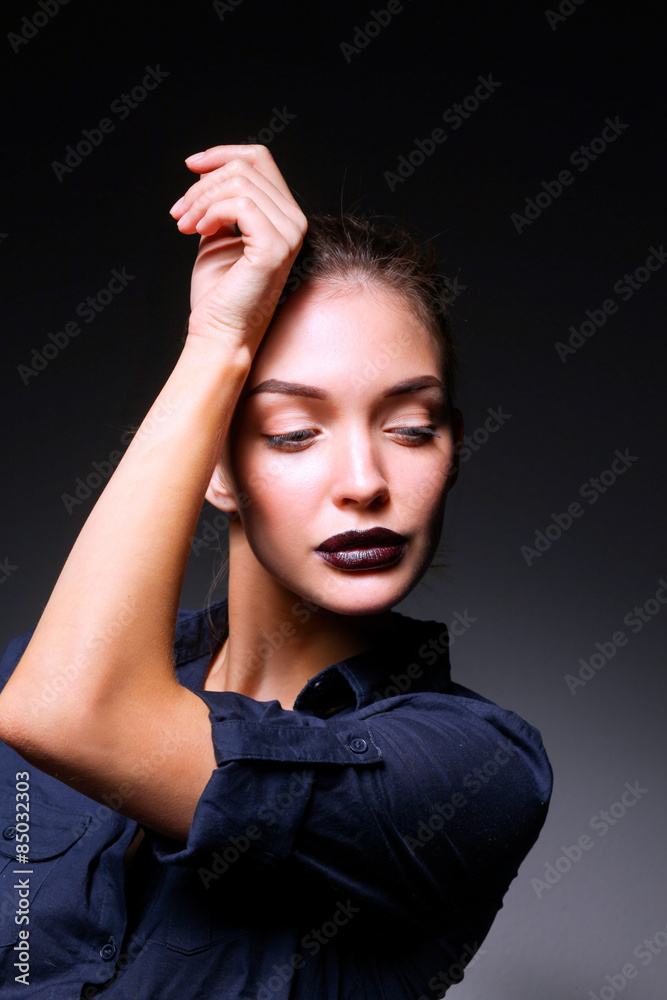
pixel 51 834
pixel 184 917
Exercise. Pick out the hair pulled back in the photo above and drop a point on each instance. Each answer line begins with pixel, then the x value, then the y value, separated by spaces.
pixel 343 249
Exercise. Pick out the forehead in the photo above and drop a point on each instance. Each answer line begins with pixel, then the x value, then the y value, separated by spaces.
pixel 327 332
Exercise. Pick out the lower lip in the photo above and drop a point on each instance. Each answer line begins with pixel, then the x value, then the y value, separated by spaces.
pixel 384 555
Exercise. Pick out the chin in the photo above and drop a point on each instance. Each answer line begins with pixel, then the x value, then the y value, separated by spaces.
pixel 354 596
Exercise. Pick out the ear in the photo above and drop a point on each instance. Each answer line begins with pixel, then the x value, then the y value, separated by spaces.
pixel 218 493
pixel 457 438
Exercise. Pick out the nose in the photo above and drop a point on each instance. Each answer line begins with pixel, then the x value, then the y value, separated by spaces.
pixel 357 476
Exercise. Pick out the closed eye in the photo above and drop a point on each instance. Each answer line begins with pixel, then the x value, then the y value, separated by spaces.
pixel 420 435
pixel 291 441
pixel 293 438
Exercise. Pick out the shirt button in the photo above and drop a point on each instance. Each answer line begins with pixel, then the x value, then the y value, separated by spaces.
pixel 358 745
pixel 108 950
pixel 9 832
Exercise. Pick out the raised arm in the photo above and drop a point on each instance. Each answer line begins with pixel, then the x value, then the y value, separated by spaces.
pixel 108 629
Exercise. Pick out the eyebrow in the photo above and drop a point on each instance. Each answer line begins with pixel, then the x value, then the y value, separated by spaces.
pixel 415 384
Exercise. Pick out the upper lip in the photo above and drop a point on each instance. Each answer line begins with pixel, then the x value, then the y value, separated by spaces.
pixel 370 538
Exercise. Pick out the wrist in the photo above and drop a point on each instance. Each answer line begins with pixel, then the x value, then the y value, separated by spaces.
pixel 212 350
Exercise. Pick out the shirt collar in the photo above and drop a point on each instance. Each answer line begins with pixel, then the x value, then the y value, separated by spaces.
pixel 412 657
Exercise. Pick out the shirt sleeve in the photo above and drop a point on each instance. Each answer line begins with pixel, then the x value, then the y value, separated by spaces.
pixel 413 806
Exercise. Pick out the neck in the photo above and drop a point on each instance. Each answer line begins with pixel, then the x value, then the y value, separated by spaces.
pixel 278 640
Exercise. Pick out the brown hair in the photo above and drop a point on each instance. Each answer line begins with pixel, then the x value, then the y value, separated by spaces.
pixel 338 249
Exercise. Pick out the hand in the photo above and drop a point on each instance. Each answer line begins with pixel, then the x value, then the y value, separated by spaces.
pixel 237 280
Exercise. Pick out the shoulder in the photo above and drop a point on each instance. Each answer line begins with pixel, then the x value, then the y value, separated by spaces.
pixel 468 728
pixel 425 694
pixel 460 762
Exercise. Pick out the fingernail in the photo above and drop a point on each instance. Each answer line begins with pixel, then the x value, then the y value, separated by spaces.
pixel 175 207
pixel 195 158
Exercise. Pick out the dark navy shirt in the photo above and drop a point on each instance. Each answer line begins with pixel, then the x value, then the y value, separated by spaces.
pixel 355 847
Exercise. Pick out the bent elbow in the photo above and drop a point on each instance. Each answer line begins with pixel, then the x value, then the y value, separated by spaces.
pixel 11 722
pixel 45 734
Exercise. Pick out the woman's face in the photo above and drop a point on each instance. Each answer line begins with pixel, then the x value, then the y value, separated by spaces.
pixel 341 449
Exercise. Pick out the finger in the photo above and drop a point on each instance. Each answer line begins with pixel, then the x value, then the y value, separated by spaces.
pixel 219 214
pixel 203 217
pixel 256 155
pixel 263 243
pixel 216 185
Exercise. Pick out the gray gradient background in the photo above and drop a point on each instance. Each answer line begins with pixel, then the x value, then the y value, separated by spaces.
pixel 522 291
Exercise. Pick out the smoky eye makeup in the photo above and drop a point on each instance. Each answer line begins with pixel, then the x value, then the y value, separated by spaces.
pixel 416 425
pixel 289 439
pixel 292 440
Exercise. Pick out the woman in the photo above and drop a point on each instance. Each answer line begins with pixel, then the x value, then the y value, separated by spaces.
pixel 305 803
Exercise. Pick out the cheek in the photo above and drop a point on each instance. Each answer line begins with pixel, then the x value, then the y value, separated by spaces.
pixel 423 492
pixel 281 493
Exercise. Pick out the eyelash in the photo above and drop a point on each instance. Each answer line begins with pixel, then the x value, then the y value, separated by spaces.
pixel 423 434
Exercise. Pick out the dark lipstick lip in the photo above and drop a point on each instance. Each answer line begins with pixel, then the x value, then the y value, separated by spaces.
pixel 371 538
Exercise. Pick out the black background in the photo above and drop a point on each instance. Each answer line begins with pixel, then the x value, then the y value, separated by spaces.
pixel 519 293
